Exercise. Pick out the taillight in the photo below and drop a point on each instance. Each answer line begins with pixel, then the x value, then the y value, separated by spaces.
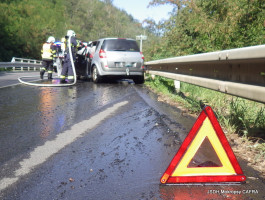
pixel 102 54
pixel 142 55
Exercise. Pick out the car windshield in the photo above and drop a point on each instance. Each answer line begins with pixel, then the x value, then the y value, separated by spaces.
pixel 120 45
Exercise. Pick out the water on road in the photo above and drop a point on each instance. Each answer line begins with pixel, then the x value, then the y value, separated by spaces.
pixel 96 141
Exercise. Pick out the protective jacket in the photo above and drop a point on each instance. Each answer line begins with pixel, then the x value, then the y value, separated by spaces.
pixel 73 43
pixel 48 51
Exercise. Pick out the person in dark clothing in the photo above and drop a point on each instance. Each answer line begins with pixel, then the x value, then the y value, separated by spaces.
pixel 67 65
pixel 48 51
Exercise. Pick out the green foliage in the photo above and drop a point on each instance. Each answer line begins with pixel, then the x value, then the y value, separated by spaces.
pixel 248 122
pixel 194 27
pixel 94 19
pixel 166 86
pixel 205 26
pixel 26 24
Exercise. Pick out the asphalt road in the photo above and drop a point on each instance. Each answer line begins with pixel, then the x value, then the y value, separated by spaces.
pixel 105 141
pixel 10 78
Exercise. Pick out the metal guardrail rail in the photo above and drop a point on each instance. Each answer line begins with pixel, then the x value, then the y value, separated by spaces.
pixel 24 60
pixel 239 72
pixel 21 64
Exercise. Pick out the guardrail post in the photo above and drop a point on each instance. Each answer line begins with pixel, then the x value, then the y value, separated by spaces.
pixel 177 86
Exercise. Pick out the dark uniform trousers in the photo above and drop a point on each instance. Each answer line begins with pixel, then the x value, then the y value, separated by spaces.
pixel 67 65
pixel 67 68
pixel 47 66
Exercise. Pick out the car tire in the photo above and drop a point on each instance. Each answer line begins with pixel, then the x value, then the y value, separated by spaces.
pixel 139 80
pixel 95 75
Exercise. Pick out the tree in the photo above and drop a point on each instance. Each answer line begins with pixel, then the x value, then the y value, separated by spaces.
pixel 26 24
pixel 204 26
pixel 178 4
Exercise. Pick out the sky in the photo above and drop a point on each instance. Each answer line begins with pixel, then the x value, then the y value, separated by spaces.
pixel 138 9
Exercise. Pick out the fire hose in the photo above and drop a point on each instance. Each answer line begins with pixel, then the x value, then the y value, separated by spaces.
pixel 54 85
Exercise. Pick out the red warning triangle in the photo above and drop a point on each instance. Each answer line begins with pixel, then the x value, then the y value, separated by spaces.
pixel 188 166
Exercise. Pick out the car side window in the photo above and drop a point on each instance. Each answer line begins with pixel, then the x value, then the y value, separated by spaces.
pixel 97 45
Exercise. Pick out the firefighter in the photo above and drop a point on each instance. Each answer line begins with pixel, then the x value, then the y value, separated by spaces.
pixel 67 66
pixel 48 51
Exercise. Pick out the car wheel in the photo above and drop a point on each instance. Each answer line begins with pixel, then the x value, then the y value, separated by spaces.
pixel 95 75
pixel 139 80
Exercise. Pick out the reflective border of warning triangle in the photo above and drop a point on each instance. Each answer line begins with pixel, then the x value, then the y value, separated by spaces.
pixel 225 169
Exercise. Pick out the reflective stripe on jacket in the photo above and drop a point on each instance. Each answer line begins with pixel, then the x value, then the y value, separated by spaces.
pixel 63 46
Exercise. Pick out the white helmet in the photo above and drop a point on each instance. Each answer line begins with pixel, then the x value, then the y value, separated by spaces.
pixel 70 33
pixel 51 39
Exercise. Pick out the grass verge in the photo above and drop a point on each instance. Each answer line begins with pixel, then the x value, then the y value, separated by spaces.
pixel 5 69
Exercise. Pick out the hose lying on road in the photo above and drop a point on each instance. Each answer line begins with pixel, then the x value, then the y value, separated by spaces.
pixel 53 85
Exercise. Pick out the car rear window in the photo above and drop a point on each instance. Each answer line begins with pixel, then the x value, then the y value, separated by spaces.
pixel 120 45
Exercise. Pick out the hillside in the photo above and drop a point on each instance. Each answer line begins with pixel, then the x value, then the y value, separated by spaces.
pixel 195 26
pixel 26 24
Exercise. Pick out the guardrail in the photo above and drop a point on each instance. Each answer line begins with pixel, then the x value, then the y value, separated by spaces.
pixel 25 60
pixel 21 64
pixel 239 72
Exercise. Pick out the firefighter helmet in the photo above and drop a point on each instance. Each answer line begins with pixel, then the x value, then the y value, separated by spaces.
pixel 51 39
pixel 70 33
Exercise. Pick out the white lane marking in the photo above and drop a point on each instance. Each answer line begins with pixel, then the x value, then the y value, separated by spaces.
pixel 16 78
pixel 41 153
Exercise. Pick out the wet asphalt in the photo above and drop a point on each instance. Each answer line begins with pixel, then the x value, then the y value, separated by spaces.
pixel 97 141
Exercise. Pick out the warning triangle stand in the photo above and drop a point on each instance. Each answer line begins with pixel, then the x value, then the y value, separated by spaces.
pixel 190 167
